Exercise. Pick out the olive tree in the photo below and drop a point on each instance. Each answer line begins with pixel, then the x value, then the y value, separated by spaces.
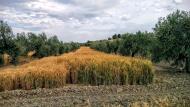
pixel 7 44
pixel 136 44
pixel 173 33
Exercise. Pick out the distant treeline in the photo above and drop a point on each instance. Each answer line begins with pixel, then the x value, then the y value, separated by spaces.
pixel 22 43
pixel 129 44
pixel 170 41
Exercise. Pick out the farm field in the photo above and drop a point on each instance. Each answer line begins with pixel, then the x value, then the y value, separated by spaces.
pixel 95 53
pixel 170 89
pixel 166 88
pixel 85 66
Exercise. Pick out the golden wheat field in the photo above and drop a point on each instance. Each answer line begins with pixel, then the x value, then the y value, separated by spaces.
pixel 84 66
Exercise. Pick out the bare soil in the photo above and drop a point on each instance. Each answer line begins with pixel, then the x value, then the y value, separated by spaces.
pixel 170 89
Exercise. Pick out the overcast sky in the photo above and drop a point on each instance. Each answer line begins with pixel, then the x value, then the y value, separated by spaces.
pixel 82 20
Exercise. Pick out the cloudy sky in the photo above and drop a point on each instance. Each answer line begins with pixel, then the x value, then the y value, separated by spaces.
pixel 82 20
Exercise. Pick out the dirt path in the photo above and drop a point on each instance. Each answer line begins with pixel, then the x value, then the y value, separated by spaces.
pixel 170 89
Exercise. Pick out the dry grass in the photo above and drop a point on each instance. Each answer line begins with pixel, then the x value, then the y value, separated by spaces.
pixel 44 73
pixel 31 53
pixel 85 66
pixel 6 59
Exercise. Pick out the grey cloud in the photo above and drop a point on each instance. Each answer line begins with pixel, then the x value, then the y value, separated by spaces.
pixel 11 2
pixel 81 20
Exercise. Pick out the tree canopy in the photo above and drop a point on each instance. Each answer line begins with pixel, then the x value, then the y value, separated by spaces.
pixel 173 33
pixel 7 44
pixel 23 43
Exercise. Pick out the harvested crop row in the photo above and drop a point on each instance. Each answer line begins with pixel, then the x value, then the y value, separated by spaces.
pixel 85 66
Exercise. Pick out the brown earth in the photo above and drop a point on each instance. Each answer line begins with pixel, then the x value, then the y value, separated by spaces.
pixel 170 89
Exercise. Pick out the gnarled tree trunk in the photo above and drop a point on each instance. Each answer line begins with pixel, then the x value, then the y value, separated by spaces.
pixel 187 64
